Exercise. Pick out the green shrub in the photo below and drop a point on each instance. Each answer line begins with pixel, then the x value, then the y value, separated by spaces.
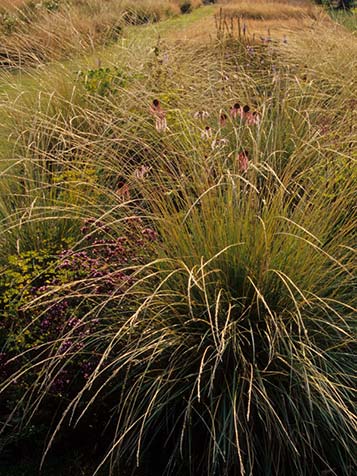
pixel 8 23
pixel 50 303
pixel 49 5
pixel 103 81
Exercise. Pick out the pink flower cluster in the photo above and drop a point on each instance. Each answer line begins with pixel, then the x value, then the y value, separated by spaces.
pixel 159 114
pixel 244 113
pixel 237 111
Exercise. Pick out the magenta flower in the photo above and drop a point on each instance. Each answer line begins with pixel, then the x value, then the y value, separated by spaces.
pixel 201 115
pixel 245 112
pixel 141 172
pixel 223 119
pixel 243 161
pixel 156 109
pixel 235 111
pixel 150 234
pixel 123 190
pixel 206 133
pixel 253 119
pixel 159 115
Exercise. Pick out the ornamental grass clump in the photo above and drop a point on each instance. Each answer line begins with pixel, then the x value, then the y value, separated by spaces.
pixel 230 353
pixel 246 322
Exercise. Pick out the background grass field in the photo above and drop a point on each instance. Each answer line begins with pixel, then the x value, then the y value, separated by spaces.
pixel 177 274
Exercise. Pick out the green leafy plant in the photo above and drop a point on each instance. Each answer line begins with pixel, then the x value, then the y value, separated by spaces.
pixel 8 23
pixel 51 5
pixel 103 81
pixel 50 301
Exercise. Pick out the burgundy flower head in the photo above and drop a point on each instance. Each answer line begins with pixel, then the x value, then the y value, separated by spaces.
pixel 223 119
pixel 243 160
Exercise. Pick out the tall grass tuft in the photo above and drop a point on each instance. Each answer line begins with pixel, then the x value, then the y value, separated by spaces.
pixel 239 358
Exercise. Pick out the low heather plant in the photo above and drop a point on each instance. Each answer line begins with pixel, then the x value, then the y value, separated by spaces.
pixel 51 300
